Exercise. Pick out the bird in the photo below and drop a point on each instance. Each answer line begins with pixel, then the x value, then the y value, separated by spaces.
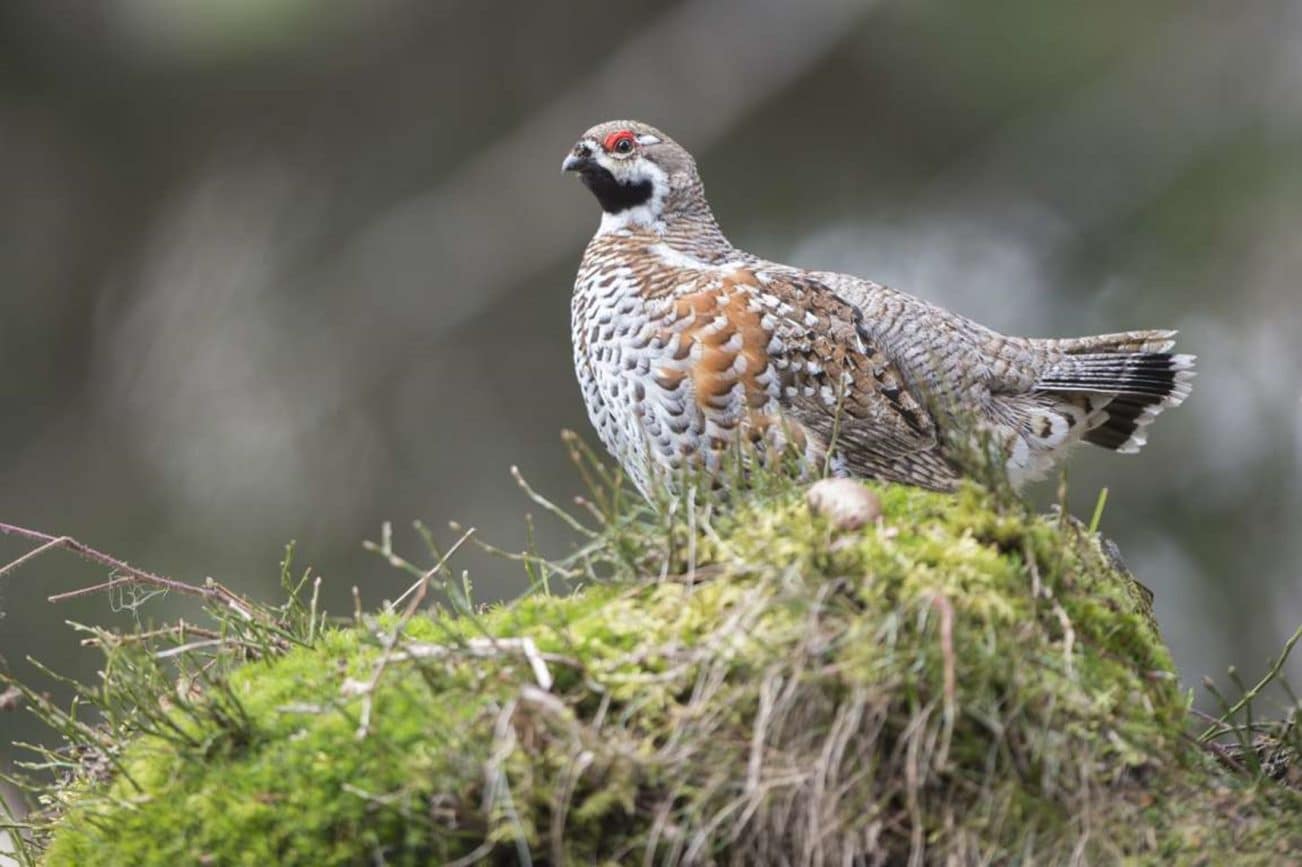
pixel 686 347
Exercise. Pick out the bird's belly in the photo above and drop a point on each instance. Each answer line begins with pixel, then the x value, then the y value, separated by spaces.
pixel 646 427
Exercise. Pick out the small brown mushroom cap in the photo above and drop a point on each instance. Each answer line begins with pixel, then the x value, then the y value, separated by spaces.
pixel 846 503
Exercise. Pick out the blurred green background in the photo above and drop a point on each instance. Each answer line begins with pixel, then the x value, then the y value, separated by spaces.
pixel 279 269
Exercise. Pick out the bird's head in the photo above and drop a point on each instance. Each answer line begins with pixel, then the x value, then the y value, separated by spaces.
pixel 640 176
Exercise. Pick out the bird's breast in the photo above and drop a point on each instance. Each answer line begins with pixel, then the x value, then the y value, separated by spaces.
pixel 680 374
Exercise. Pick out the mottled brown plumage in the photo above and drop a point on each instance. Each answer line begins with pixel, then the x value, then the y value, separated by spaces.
pixel 685 346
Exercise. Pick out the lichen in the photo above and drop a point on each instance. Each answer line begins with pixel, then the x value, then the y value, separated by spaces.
pixel 961 681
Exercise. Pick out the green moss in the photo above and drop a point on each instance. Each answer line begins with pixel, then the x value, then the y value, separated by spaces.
pixel 959 681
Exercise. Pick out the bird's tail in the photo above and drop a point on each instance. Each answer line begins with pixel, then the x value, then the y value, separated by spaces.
pixel 1123 381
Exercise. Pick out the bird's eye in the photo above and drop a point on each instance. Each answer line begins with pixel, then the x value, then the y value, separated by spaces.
pixel 620 142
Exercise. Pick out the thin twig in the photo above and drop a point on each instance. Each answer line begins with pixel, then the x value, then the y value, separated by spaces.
pixel 130 574
pixel 1223 754
pixel 33 554
pixel 1032 566
pixel 86 552
pixel 417 593
pixel 485 647
pixel 949 712
pixel 1249 696
pixel 91 590
pixel 193 645
pixel 1098 511
pixel 430 573
pixel 367 690
pixel 1068 636
pixel 562 515
pixel 181 629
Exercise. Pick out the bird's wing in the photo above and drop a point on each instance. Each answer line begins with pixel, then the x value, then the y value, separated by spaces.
pixel 844 386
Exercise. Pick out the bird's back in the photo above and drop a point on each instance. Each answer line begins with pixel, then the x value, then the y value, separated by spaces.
pixel 1039 395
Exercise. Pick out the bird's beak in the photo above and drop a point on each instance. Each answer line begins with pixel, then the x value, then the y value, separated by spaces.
pixel 575 163
pixel 582 157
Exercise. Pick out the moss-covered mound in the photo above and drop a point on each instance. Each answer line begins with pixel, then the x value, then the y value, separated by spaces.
pixel 955 683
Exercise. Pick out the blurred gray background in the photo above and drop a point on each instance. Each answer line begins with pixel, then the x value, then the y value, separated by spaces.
pixel 280 269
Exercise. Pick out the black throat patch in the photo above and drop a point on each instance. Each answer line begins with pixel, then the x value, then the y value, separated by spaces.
pixel 611 194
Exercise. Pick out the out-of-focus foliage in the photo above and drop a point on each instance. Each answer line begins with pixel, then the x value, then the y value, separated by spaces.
pixel 274 270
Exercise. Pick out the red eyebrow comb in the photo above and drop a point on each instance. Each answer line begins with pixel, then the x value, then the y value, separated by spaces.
pixel 616 137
